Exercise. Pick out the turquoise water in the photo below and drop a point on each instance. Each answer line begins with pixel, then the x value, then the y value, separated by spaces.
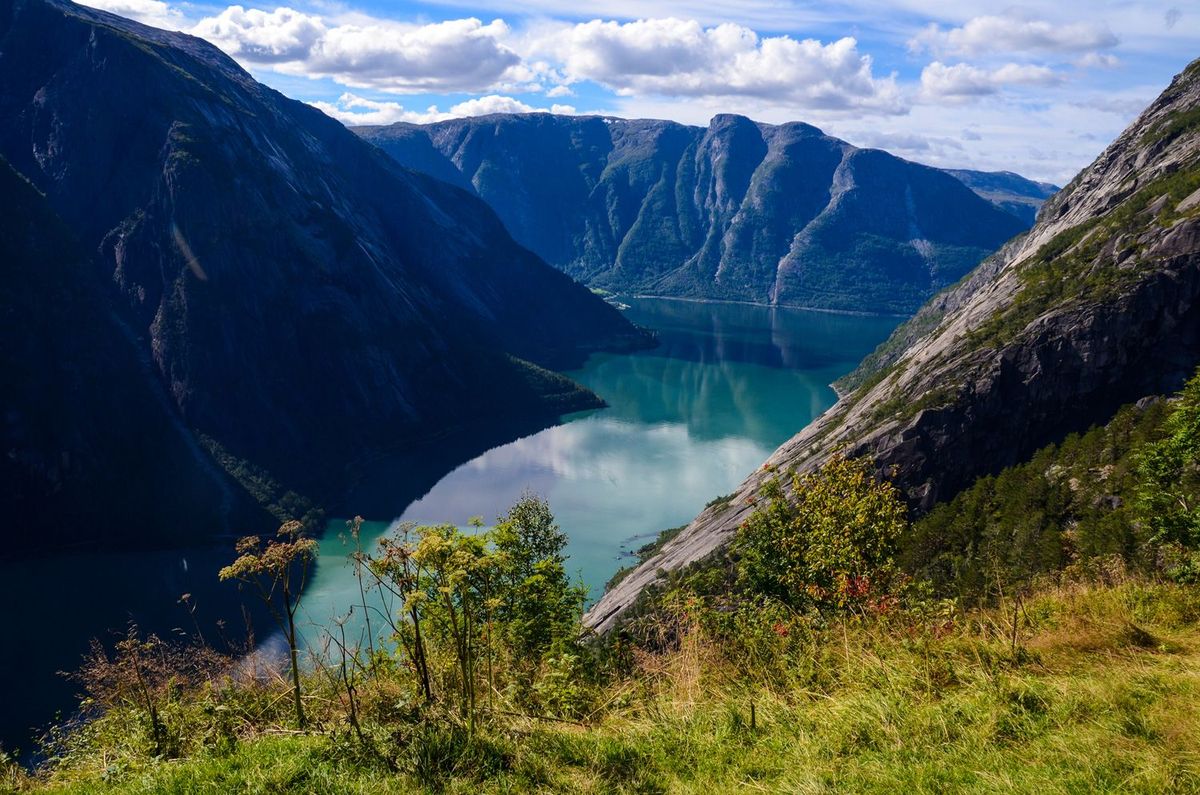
pixel 686 422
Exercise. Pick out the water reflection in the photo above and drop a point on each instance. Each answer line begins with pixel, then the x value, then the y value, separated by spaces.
pixel 686 422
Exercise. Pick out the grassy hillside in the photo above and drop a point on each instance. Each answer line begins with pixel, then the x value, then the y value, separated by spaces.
pixel 1098 693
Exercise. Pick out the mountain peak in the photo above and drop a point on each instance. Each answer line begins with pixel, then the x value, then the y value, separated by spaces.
pixel 723 120
pixel 737 210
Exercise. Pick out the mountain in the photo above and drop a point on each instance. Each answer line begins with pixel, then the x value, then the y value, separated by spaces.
pixel 87 430
pixel 250 287
pixel 780 214
pixel 1095 307
pixel 1010 192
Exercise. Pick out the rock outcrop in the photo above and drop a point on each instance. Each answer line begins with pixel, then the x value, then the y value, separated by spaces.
pixel 1096 306
pixel 779 214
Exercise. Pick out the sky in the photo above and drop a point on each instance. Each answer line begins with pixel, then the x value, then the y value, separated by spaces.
pixel 1039 88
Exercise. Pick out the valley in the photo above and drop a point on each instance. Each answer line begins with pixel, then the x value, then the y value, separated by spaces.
pixel 684 422
pixel 534 446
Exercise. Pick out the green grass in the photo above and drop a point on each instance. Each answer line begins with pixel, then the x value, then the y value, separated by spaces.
pixel 1100 692
pixel 721 501
pixel 267 765
pixel 1172 127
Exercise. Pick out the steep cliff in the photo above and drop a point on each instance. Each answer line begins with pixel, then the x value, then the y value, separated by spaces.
pixel 1098 305
pixel 86 430
pixel 778 214
pixel 302 302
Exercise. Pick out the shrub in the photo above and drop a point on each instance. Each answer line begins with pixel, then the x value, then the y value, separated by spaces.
pixel 829 543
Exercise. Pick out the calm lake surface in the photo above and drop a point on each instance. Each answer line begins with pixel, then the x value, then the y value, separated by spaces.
pixel 686 422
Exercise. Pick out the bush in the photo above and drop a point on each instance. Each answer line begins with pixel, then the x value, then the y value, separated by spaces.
pixel 829 543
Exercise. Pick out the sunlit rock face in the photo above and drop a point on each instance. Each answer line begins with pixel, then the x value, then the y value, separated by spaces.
pixel 1096 306
pixel 779 214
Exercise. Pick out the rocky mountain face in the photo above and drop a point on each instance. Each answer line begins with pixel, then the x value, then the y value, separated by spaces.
pixel 1010 192
pixel 86 429
pixel 780 214
pixel 1097 306
pixel 253 294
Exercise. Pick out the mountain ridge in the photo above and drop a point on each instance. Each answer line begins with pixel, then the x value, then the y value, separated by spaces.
pixel 738 210
pixel 1007 190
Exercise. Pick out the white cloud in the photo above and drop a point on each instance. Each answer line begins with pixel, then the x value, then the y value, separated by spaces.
pixel 675 57
pixel 495 103
pixel 353 109
pixel 1013 35
pixel 1127 105
pixel 1098 60
pixel 260 37
pixel 455 55
pixel 1045 142
pixel 148 12
pixel 907 143
pixel 962 81
pixel 692 67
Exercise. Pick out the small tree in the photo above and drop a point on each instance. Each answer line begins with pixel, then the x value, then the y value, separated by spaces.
pixel 827 544
pixel 278 573
pixel 537 605
pixel 397 572
pixel 480 606
pixel 454 566
pixel 1168 499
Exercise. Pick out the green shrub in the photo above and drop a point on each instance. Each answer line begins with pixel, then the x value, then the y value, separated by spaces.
pixel 829 543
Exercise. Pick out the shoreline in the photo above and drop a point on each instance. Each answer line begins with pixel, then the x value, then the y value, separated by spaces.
pixel 849 312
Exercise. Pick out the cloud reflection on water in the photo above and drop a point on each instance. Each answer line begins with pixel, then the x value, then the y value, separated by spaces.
pixel 686 422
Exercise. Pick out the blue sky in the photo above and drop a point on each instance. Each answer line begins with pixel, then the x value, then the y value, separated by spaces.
pixel 1037 88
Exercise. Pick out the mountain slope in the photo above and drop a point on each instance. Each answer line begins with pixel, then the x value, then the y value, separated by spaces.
pixel 1011 192
pixel 778 214
pixel 1097 306
pixel 87 432
pixel 305 303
